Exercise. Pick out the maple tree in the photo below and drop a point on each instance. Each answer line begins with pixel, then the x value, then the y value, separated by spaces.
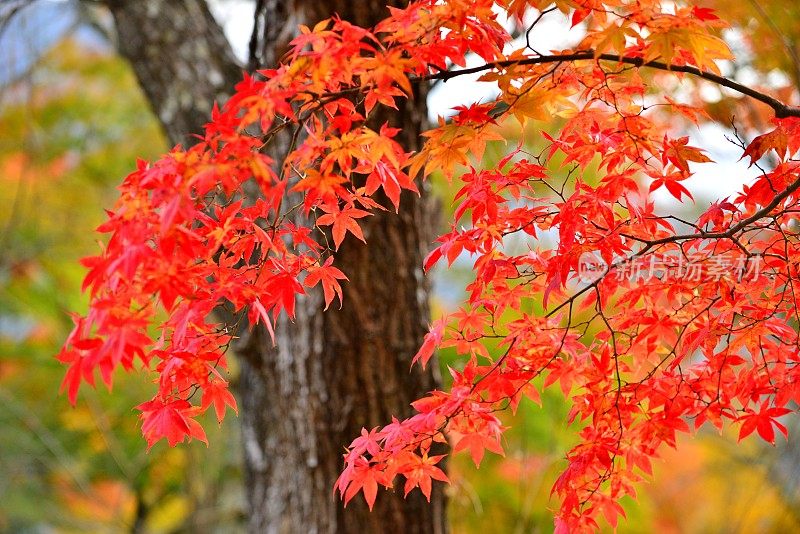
pixel 669 324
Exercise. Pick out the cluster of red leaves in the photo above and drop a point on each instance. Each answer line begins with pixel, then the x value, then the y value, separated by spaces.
pixel 639 361
pixel 206 228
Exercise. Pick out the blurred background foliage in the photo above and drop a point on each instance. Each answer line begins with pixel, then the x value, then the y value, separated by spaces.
pixel 73 123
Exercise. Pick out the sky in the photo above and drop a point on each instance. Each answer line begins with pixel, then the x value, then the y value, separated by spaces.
pixel 31 32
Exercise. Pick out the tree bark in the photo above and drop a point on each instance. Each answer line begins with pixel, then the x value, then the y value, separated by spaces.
pixel 181 58
pixel 332 373
pixel 343 369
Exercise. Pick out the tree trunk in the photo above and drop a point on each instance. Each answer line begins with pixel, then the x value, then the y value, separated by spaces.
pixel 332 373
pixel 181 57
pixel 336 372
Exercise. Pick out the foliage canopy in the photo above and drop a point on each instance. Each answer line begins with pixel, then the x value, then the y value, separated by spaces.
pixel 648 323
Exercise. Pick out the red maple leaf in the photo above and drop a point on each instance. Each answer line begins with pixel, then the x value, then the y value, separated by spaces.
pixel 342 222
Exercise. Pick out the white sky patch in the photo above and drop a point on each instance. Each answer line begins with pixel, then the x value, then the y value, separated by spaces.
pixel 236 18
pixel 459 91
pixel 551 33
pixel 710 181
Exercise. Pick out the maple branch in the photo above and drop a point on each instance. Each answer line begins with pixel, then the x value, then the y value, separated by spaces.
pixel 781 109
pixel 727 234
pixel 733 230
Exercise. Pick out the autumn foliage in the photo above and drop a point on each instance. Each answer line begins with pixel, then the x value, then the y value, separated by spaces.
pixel 677 323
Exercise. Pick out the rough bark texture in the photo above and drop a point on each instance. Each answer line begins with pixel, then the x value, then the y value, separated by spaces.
pixel 332 372
pixel 181 57
pixel 336 372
